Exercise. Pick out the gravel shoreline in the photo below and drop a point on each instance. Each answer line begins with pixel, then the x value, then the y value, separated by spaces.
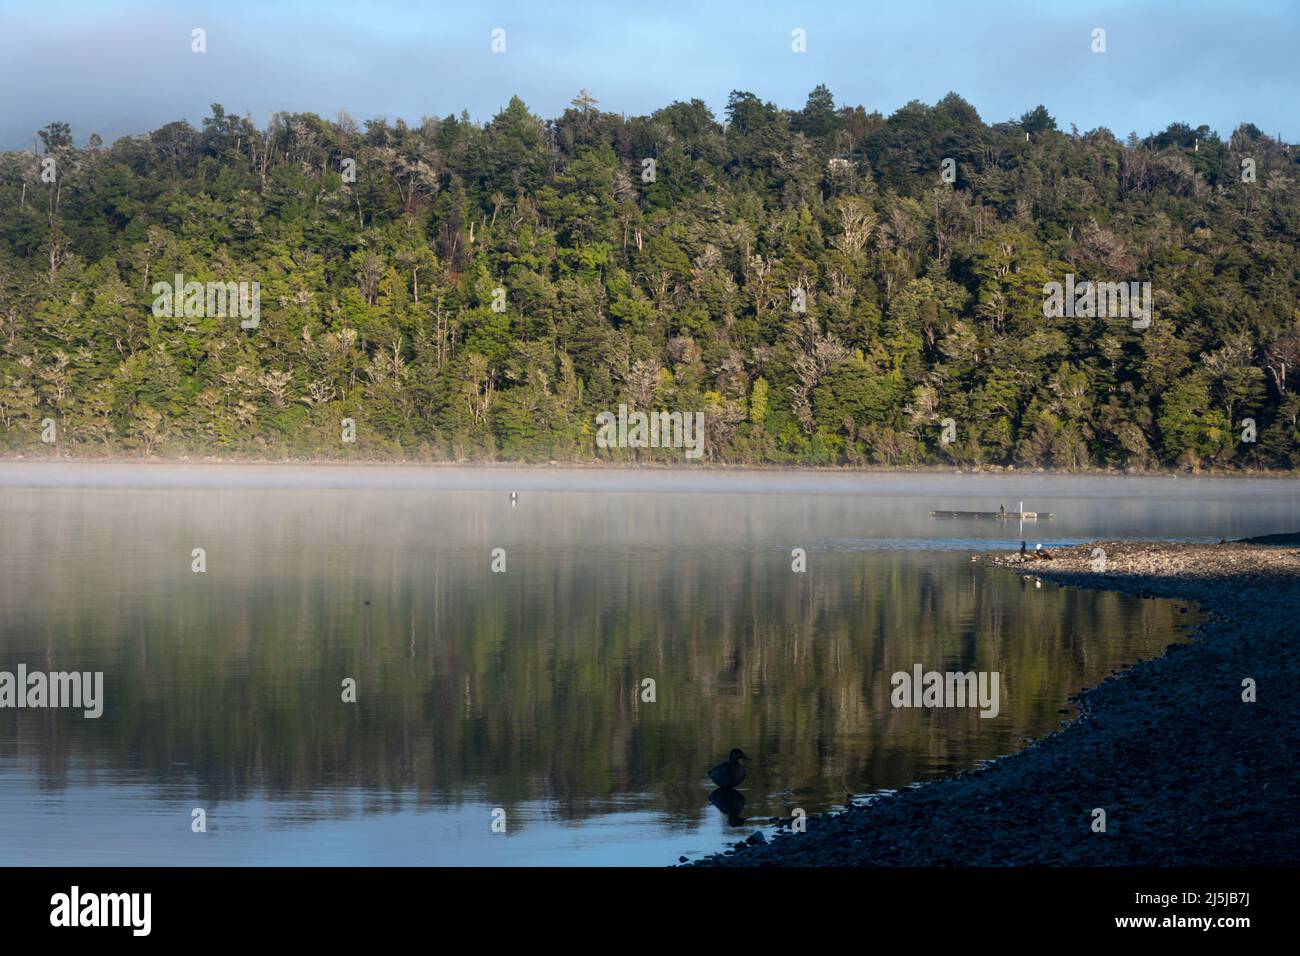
pixel 1188 773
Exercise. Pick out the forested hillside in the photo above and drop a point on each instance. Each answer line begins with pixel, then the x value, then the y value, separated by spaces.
pixel 806 278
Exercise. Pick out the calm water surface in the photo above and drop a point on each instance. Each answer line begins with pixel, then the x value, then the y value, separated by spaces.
pixel 522 690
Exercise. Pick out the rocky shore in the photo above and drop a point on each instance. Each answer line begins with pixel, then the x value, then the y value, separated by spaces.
pixel 1187 772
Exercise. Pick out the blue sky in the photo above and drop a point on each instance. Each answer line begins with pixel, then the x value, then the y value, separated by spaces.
pixel 124 66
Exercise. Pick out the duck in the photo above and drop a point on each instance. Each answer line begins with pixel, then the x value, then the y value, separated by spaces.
pixel 731 773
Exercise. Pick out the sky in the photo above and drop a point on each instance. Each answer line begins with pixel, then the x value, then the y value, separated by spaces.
pixel 125 67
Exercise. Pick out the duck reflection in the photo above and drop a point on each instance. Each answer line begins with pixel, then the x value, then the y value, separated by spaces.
pixel 731 803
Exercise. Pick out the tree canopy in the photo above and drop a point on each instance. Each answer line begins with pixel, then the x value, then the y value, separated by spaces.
pixel 809 278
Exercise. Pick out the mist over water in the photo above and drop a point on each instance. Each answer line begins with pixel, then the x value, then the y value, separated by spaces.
pixel 521 690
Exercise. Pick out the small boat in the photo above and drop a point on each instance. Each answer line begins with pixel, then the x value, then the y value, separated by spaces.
pixel 1013 515
pixel 1020 514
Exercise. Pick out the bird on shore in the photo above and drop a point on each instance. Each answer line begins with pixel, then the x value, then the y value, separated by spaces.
pixel 1041 554
pixel 1024 551
pixel 730 773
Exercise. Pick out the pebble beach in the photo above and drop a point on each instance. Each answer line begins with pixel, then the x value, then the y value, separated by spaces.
pixel 1189 771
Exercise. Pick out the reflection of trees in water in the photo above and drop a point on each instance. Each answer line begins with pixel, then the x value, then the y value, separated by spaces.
pixel 525 685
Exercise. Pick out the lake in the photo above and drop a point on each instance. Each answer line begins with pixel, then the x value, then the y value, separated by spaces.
pixel 519 695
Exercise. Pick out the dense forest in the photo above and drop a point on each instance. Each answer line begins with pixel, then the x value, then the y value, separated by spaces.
pixel 818 282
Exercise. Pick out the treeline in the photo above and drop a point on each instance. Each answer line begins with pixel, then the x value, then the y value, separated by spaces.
pixel 819 282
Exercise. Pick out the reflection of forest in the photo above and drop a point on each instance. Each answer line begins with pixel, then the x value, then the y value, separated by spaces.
pixel 521 685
